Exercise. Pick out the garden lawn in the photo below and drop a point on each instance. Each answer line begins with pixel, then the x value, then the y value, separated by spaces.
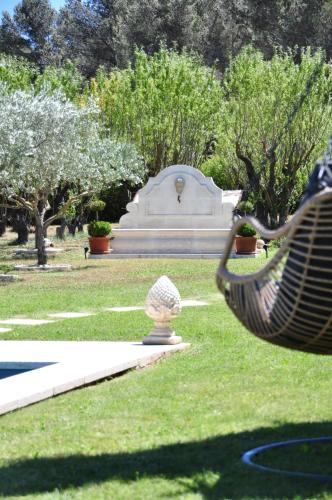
pixel 173 430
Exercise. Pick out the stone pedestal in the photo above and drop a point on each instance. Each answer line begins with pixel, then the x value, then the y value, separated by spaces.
pixel 32 252
pixel 162 336
pixel 169 241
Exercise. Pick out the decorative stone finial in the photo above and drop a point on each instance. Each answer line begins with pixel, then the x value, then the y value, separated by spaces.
pixel 162 304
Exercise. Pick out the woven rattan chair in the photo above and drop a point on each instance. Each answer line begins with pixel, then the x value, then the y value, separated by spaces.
pixel 289 301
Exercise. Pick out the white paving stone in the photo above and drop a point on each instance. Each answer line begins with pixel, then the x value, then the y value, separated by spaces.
pixel 9 277
pixel 65 315
pixel 25 321
pixel 28 252
pixel 193 303
pixel 46 267
pixel 4 330
pixel 125 308
pixel 184 303
pixel 74 364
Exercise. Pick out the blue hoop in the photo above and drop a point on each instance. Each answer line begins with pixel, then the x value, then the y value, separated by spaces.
pixel 249 455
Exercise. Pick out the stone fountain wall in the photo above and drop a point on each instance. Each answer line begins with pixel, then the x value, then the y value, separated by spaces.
pixel 180 212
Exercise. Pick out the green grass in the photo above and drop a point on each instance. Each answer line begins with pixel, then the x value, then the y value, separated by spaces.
pixel 173 430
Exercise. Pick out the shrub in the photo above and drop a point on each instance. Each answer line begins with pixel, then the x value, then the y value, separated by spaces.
pixel 222 173
pixel 246 207
pixel 99 228
pixel 97 205
pixel 6 268
pixel 246 230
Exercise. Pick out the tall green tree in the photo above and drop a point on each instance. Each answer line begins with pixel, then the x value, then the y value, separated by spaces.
pixel 323 32
pixel 91 32
pixel 276 117
pixel 28 32
pixel 167 104
pixel 106 32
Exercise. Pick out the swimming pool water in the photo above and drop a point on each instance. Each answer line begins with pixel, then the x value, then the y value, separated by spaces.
pixel 9 372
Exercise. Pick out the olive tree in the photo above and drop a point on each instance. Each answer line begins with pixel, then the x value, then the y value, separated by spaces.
pixel 46 142
pixel 16 73
pixel 275 120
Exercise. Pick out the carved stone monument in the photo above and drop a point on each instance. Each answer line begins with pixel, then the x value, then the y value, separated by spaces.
pixel 180 213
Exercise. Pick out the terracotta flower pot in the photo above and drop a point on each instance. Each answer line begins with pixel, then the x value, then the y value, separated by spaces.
pixel 245 244
pixel 99 244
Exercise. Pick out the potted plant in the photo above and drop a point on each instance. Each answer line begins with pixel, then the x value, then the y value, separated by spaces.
pixel 245 241
pixel 99 240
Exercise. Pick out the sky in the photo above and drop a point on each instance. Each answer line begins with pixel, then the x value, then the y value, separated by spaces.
pixel 10 4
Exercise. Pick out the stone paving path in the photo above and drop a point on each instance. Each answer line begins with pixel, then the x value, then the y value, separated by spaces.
pixel 25 321
pixel 193 303
pixel 184 303
pixel 125 309
pixel 72 315
pixel 68 315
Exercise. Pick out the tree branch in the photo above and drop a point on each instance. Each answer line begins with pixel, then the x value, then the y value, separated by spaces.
pixel 19 202
pixel 252 176
pixel 61 212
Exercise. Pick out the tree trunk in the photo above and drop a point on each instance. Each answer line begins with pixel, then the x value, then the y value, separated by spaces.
pixel 21 226
pixel 22 233
pixel 3 224
pixel 283 215
pixel 40 243
pixel 60 231
pixel 284 205
pixel 262 214
pixel 72 228
pixel 80 226
pixel 3 221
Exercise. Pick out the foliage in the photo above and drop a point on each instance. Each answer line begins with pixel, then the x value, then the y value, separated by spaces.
pixel 6 268
pixel 27 33
pixel 100 32
pixel 96 205
pixel 16 73
pixel 91 33
pixel 69 211
pixel 224 174
pixel 245 207
pixel 246 230
pixel 277 243
pixel 66 79
pixel 167 104
pixel 46 142
pixel 271 136
pixel 99 228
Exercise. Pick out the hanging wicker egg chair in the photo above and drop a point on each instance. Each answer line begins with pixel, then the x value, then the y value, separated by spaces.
pixel 289 301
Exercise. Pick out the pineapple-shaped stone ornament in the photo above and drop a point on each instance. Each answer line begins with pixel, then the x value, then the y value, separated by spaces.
pixel 162 304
